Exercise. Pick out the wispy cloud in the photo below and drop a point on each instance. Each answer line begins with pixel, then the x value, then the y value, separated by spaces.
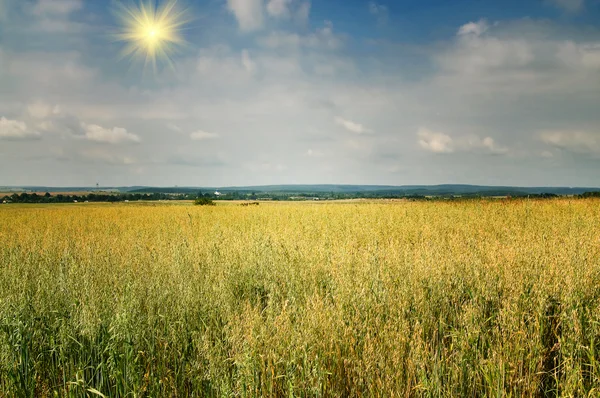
pixel 249 13
pixel 115 135
pixel 16 130
pixel 353 127
pixel 474 28
pixel 379 11
pixel 203 136
pixel 279 8
pixel 41 110
pixel 438 142
pixel 572 6
pixel 583 142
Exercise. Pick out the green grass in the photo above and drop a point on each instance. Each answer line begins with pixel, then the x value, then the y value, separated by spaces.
pixel 478 298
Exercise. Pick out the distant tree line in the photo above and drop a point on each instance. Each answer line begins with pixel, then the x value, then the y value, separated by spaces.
pixel 590 195
pixel 92 197
pixel 203 198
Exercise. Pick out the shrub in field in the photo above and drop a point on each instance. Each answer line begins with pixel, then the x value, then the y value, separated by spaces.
pixel 204 202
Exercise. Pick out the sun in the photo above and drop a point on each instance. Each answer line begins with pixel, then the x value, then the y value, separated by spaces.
pixel 152 31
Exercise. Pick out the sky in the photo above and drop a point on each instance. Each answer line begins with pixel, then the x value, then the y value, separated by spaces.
pixel 304 92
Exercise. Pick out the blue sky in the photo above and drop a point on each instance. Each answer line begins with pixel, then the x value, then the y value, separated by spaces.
pixel 305 91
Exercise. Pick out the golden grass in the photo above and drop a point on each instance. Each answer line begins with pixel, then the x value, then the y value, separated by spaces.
pixel 478 298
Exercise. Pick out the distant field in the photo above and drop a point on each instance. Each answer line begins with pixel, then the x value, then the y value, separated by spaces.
pixel 474 298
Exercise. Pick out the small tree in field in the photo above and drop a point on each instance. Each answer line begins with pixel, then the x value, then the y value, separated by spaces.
pixel 204 202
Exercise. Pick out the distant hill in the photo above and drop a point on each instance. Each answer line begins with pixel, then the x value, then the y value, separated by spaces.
pixel 427 190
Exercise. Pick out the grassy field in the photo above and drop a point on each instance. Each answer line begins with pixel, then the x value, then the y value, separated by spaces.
pixel 478 298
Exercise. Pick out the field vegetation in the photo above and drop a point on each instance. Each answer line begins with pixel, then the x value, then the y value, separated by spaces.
pixel 434 299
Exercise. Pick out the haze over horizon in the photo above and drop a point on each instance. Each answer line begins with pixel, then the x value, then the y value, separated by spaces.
pixel 305 92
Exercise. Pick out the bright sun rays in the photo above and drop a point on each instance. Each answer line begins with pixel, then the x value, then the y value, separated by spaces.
pixel 151 30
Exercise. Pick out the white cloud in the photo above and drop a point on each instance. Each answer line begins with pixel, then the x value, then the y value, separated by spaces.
pixel 247 62
pixel 249 13
pixel 288 9
pixel 380 11
pixel 325 37
pixel 474 28
pixel 474 54
pixel 435 142
pixel 579 56
pixel 46 125
pixel 518 60
pixel 352 126
pixel 572 6
pixel 16 130
pixel 303 13
pixel 573 141
pixel 279 8
pixel 484 145
pixel 116 135
pixel 50 120
pixel 41 110
pixel 203 135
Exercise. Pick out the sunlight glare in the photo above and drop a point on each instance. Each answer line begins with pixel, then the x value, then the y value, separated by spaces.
pixel 152 32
